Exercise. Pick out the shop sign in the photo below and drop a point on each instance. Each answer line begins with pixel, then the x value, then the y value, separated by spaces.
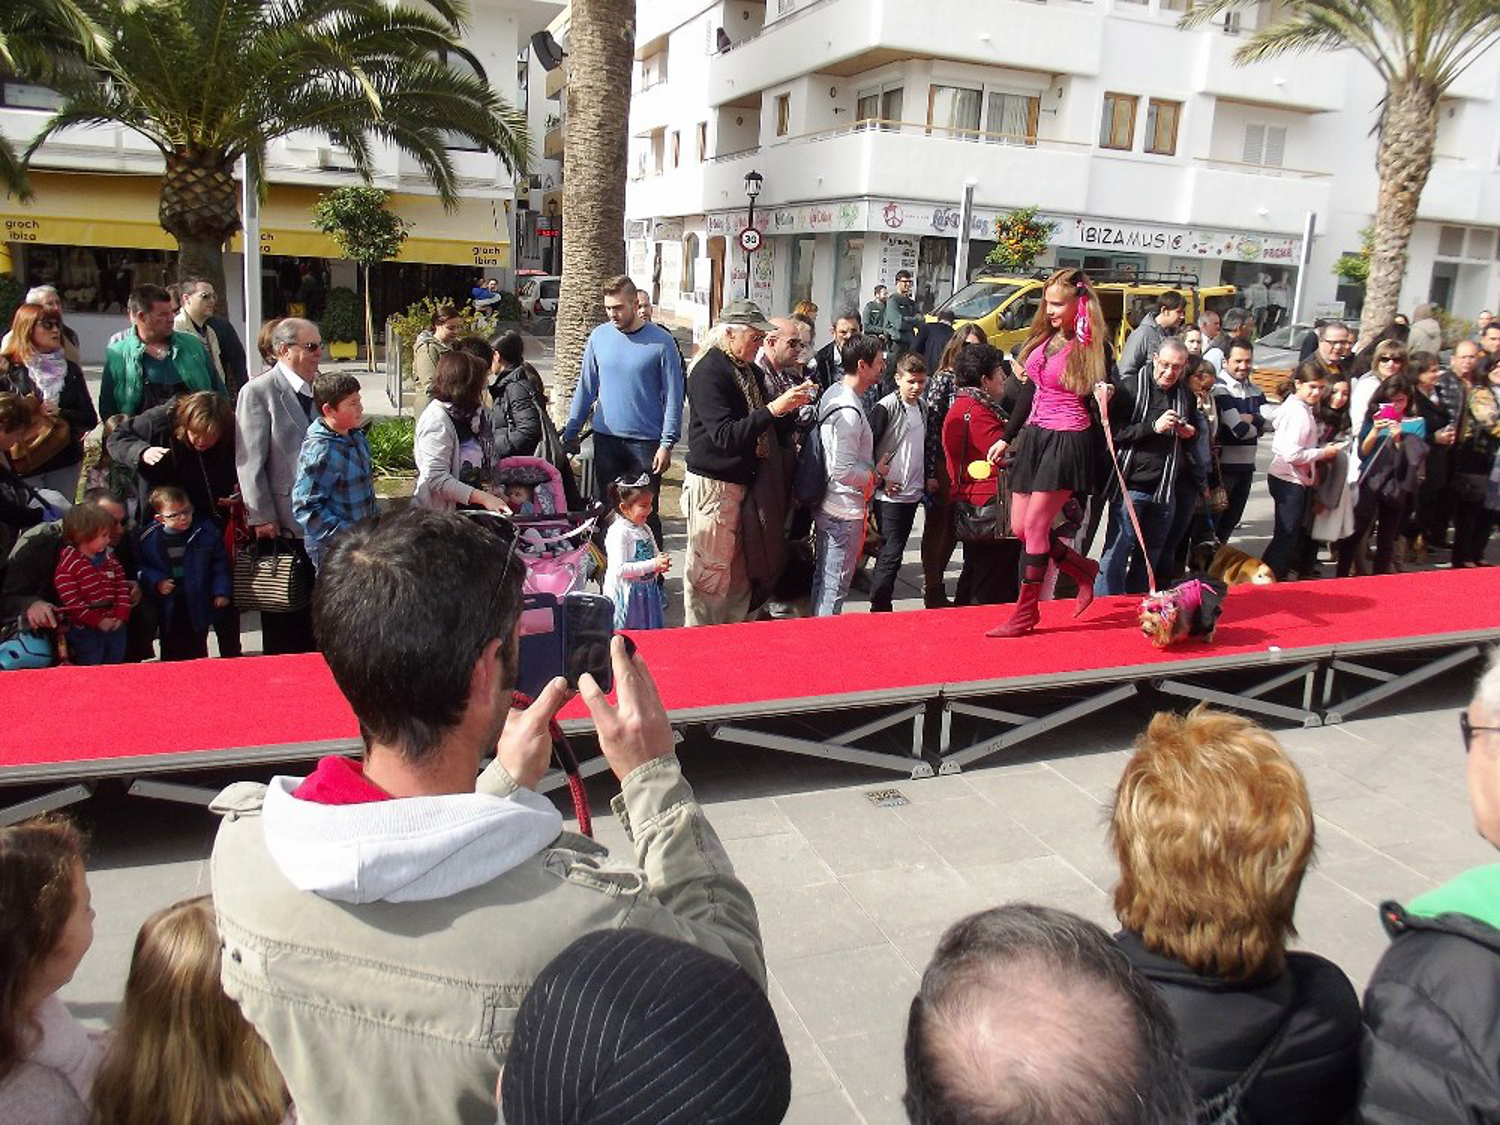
pixel 893 216
pixel 785 220
pixel 853 215
pixel 820 218
pixel 666 230
pixel 22 230
pixel 947 220
pixel 1110 235
pixel 491 254
pixel 897 252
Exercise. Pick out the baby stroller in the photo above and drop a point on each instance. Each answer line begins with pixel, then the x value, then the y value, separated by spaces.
pixel 557 546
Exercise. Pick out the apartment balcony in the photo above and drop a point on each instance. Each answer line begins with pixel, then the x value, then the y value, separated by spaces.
pixel 1311 83
pixel 903 161
pixel 1459 191
pixel 1248 197
pixel 552 143
pixel 849 37
pixel 557 80
pixel 654 107
pixel 669 193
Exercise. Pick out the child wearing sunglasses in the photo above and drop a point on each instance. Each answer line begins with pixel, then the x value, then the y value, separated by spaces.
pixel 634 561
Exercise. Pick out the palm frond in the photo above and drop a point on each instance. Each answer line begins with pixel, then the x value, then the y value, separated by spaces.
pixel 13 172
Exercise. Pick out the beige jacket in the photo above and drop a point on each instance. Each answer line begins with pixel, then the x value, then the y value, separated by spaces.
pixel 401 1011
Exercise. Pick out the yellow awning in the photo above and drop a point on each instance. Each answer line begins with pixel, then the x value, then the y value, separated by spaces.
pixel 88 210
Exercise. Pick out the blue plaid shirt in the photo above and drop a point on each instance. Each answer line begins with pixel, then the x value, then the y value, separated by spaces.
pixel 335 486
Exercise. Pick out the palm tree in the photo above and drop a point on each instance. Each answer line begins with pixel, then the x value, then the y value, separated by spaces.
pixel 211 81
pixel 37 39
pixel 601 50
pixel 1418 47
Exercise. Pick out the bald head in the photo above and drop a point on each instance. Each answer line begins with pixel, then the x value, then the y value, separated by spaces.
pixel 1029 1014
pixel 783 347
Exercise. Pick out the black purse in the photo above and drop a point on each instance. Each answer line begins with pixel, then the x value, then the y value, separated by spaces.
pixel 982 523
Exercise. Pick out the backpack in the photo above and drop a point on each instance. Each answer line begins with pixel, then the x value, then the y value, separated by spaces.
pixel 810 475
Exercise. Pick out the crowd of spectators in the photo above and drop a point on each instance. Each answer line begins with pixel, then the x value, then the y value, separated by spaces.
pixel 453 937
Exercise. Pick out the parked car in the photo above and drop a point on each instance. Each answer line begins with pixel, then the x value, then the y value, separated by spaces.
pixel 538 297
pixel 1281 349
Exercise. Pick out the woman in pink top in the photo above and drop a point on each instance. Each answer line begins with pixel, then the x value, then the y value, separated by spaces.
pixel 1051 429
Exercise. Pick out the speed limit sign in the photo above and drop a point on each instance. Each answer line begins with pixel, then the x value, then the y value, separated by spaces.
pixel 749 240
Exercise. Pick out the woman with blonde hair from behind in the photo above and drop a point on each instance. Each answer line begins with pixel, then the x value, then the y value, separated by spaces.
pixel 182 1052
pixel 1213 831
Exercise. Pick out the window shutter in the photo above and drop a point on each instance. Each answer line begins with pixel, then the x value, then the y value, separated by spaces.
pixel 1275 145
pixel 1255 143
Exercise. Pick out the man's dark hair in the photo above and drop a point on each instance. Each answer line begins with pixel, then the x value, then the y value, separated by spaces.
pixel 1107 1053
pixel 619 286
pixel 945 315
pixel 1233 320
pixel 479 348
pixel 510 348
pixel 903 275
pixel 333 388
pixel 973 362
pixel 404 607
pixel 849 314
pixel 143 298
pixel 1240 344
pixel 1170 301
pixel 860 349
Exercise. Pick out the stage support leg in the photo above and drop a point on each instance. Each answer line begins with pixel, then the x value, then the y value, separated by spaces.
pixel 840 747
pixel 57 799
pixel 172 791
pixel 1390 682
pixel 1026 727
pixel 1249 698
pixel 556 779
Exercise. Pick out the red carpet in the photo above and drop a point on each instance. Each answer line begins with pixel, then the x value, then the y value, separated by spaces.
pixel 84 714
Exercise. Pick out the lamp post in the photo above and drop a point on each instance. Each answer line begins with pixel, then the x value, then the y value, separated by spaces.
pixel 554 233
pixel 753 180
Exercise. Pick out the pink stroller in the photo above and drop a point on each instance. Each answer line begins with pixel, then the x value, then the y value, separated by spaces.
pixel 557 546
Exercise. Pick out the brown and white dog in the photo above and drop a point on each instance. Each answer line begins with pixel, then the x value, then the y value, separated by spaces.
pixel 1230 565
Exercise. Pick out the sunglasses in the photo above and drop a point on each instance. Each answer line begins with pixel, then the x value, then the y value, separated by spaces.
pixel 1469 730
pixel 1389 359
pixel 50 322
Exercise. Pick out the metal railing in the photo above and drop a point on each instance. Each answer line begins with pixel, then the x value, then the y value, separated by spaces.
pixel 395 367
pixel 1261 169
pixel 913 128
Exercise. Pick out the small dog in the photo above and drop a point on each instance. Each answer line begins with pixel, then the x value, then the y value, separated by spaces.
pixel 1229 564
pixel 1189 609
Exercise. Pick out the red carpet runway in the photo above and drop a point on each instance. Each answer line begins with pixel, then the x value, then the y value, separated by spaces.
pixel 78 723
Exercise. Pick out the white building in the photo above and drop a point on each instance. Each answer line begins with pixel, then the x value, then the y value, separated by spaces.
pixel 1144 143
pixel 92 227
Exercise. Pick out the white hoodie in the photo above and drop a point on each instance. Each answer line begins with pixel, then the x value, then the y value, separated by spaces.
pixel 409 849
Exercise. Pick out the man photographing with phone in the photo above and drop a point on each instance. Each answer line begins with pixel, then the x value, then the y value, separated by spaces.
pixel 394 911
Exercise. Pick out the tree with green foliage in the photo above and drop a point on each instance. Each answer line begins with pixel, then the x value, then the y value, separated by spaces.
pixel 1419 48
pixel 367 232
pixel 211 81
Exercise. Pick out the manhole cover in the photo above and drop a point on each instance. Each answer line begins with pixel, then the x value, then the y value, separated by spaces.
pixel 887 798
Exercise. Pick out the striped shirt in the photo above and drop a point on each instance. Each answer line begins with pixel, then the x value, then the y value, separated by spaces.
pixel 89 590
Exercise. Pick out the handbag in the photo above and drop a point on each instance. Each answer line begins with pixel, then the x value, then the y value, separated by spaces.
pixel 49 439
pixel 982 523
pixel 273 576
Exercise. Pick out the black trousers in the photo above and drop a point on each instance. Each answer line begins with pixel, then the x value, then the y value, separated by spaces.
pixel 286 633
pixel 1237 480
pixel 616 457
pixel 1472 525
pixel 179 640
pixel 991 573
pixel 894 521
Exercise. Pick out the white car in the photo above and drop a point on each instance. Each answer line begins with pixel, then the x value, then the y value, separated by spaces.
pixel 1282 348
pixel 538 297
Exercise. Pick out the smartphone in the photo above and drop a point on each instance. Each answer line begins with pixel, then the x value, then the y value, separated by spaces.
pixel 1390 412
pixel 588 626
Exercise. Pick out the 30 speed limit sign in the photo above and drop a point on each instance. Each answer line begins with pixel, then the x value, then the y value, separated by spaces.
pixel 749 240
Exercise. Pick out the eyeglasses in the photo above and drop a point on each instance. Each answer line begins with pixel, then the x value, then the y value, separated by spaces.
pixel 1470 730
pixel 1389 359
pixel 309 346
pixel 50 322
pixel 1339 344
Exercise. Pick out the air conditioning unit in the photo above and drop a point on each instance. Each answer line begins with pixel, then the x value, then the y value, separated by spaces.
pixel 335 160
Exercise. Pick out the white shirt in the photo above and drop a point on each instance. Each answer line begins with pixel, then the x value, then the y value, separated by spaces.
pixel 1295 449
pixel 906 460
pixel 293 379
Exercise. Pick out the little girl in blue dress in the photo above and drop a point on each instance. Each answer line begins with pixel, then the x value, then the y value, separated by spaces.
pixel 634 560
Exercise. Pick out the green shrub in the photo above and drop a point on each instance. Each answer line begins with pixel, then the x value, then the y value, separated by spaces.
pixel 508 310
pixel 418 319
pixel 11 294
pixel 391 442
pixel 343 316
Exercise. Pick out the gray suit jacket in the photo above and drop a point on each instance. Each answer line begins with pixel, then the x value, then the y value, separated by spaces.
pixel 269 426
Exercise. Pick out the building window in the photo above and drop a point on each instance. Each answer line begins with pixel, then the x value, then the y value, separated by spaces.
pixel 1161 126
pixel 1117 130
pixel 881 106
pixel 702 141
pixel 689 264
pixel 783 114
pixel 1265 145
pixel 954 111
pixel 15 94
pixel 1011 118
pixel 676 147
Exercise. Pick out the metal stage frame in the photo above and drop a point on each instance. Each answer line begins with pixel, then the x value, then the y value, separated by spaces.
pixel 1303 686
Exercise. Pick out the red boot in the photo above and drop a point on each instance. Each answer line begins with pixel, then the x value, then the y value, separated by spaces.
pixel 1081 570
pixel 1027 612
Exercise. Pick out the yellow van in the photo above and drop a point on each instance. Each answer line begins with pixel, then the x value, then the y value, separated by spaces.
pixel 1003 305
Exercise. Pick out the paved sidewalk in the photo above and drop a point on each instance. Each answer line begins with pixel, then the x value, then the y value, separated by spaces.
pixel 853 897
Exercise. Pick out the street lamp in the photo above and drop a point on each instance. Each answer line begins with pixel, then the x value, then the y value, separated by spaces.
pixel 750 241
pixel 553 233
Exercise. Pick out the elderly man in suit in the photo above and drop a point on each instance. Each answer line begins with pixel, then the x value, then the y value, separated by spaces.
pixel 271 419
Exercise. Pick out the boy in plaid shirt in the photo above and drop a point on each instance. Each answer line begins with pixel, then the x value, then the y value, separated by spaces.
pixel 335 486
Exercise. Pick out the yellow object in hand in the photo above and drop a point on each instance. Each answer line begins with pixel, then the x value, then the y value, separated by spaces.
pixel 981 470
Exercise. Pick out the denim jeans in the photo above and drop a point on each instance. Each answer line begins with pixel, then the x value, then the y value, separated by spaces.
pixel 1286 541
pixel 95 646
pixel 616 457
pixel 1122 569
pixel 1237 480
pixel 837 555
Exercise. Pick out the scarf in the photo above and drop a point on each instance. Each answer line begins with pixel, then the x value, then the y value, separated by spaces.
pixel 984 399
pixel 48 370
pixel 749 384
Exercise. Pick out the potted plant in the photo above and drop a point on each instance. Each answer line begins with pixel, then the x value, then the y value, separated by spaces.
pixel 341 325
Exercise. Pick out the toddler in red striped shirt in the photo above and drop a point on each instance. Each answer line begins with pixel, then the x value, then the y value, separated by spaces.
pixel 93 592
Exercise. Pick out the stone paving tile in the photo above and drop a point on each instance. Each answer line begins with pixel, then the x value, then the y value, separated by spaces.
pixel 1380 820
pixel 811 1073
pixel 852 835
pixel 1376 878
pixel 850 993
pixel 1442 857
pixel 785 860
pixel 1341 926
pixel 811 920
pixel 871 1068
pixel 907 900
pixel 1041 802
pixel 970 830
pixel 827 1107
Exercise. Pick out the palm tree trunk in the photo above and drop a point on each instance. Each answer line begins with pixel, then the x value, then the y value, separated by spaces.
pixel 1403 160
pixel 601 47
pixel 200 209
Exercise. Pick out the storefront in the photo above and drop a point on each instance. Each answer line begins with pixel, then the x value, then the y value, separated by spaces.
pixel 97 237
